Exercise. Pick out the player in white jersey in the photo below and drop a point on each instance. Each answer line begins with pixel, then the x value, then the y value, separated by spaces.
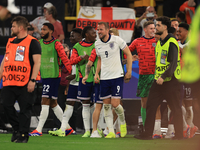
pixel 111 75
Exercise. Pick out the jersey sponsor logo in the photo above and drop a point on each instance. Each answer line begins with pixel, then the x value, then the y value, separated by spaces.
pixel 19 56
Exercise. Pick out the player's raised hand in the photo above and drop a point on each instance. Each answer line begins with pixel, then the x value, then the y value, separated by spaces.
pixel 96 78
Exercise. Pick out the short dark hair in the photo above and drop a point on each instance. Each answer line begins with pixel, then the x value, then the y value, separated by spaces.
pixel 165 21
pixel 77 30
pixel 85 30
pixel 104 23
pixel 20 20
pixel 52 10
pixel 147 23
pixel 171 30
pixel 184 25
pixel 181 15
pixel 49 25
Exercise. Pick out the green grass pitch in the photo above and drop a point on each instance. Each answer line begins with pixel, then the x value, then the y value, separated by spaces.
pixel 76 142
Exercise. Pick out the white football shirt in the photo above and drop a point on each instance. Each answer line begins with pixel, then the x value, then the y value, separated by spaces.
pixel 111 64
pixel 183 45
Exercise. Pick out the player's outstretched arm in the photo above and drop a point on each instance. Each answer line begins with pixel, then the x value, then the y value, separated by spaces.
pixel 127 76
pixel 87 71
pixel 96 77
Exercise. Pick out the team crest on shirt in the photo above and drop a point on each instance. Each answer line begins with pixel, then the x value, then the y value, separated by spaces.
pixel 154 44
pixel 111 45
pixel 19 56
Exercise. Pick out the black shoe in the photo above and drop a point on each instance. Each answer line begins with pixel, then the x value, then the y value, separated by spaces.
pixel 177 138
pixel 22 139
pixel 143 137
pixel 15 136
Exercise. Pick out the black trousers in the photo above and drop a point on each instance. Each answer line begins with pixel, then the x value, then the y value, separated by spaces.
pixel 169 91
pixel 19 121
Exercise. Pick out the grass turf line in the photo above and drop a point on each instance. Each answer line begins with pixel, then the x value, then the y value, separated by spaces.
pixel 76 142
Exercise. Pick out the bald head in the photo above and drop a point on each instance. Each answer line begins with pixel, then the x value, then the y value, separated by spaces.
pixel 150 9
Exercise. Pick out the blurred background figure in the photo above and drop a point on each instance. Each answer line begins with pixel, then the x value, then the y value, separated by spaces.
pixel 141 5
pixel 180 16
pixel 51 16
pixel 38 22
pixel 6 8
pixel 189 11
pixel 30 29
pixel 148 15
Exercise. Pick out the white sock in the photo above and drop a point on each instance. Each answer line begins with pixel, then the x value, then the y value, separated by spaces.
pixel 189 116
pixel 157 129
pixel 184 121
pixel 66 116
pixel 108 117
pixel 120 113
pixel 170 128
pixel 58 112
pixel 43 117
pixel 86 116
pixel 99 122
pixel 117 125
pixel 169 112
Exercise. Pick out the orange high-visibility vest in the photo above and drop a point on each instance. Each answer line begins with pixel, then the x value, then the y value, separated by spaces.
pixel 17 68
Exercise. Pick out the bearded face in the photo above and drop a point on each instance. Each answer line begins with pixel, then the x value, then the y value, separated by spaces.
pixel 45 36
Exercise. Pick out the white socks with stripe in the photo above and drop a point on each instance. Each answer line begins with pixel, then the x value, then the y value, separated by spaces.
pixel 157 127
pixel 86 116
pixel 66 116
pixel 108 117
pixel 43 117
pixel 120 112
